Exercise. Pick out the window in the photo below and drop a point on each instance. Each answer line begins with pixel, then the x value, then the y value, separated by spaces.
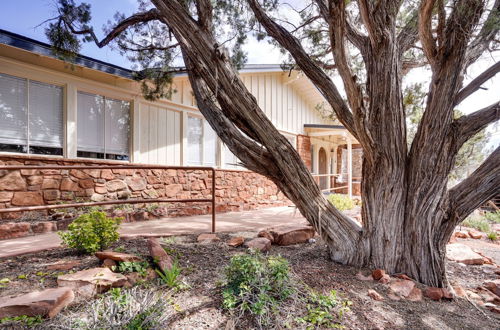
pixel 202 143
pixel 31 116
pixel 103 127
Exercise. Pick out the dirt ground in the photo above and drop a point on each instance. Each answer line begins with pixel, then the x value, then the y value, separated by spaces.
pixel 202 269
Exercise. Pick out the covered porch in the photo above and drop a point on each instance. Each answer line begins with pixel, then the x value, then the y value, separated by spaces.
pixel 336 159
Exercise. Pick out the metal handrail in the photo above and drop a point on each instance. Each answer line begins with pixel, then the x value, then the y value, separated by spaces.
pixel 112 202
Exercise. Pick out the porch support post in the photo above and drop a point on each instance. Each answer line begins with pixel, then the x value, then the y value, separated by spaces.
pixel 349 167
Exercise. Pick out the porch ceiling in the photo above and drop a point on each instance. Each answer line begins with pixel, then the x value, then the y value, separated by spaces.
pixel 337 132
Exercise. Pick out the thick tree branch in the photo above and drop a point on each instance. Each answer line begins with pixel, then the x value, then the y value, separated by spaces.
pixel 366 16
pixel 467 126
pixel 308 66
pixel 482 185
pixel 475 84
pixel 425 30
pixel 150 15
pixel 408 35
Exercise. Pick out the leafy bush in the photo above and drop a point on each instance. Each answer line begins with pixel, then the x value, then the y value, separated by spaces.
pixel 324 310
pixel 134 309
pixel 91 232
pixel 169 277
pixel 257 285
pixel 477 222
pixel 341 202
pixel 492 236
pixel 493 216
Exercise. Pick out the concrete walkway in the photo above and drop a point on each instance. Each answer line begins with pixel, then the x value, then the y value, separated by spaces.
pixel 225 222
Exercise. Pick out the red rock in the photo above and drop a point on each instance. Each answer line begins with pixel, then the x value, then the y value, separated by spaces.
pixel 46 303
pixel 109 263
pixel 377 274
pixel 117 256
pixel 475 234
pixel 68 185
pixel 86 183
pixel 12 181
pixel 35 180
pixel 90 282
pixel 203 238
pixel 402 287
pixel 14 230
pixel 433 293
pixel 101 190
pixel 260 243
pixel 385 279
pixel 78 174
pixel 136 183
pixel 463 254
pixel 52 194
pixel 493 286
pixel 27 198
pixel 362 277
pixel 446 294
pixel 64 266
pixel 459 291
pixel 415 295
pixel 488 296
pixel 115 185
pixel 461 234
pixel 493 308
pixel 289 235
pixel 141 216
pixel 403 277
pixel 50 184
pixel 43 227
pixel 159 255
pixel 172 190
pixel 236 241
pixel 5 196
pixel 375 295
pixel 107 175
pixel 266 234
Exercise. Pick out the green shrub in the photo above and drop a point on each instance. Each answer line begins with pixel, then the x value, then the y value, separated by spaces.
pixel 170 277
pixel 140 267
pixel 91 232
pixel 478 223
pixel 492 236
pixel 324 310
pixel 24 321
pixel 256 285
pixel 341 202
pixel 493 216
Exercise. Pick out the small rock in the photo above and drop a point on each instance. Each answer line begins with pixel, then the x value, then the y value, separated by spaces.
pixel 46 303
pixel 447 294
pixel 488 296
pixel 205 238
pixel 403 277
pixel 64 266
pixel 475 234
pixel 117 256
pixel 459 291
pixel 289 235
pixel 260 243
pixel 463 254
pixel 375 295
pixel 109 263
pixel 433 293
pixel 385 279
pixel 362 277
pixel 415 295
pixel 159 255
pixel 492 308
pixel 311 241
pixel 90 282
pixel 461 234
pixel 236 241
pixel 266 234
pixel 493 286
pixel 402 287
pixel 377 274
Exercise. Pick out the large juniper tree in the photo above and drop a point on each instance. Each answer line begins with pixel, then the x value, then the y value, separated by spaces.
pixel 408 212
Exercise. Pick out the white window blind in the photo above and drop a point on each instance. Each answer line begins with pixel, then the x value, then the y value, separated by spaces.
pixel 209 145
pixel 90 128
pixel 13 110
pixel 117 126
pixel 45 115
pixel 194 135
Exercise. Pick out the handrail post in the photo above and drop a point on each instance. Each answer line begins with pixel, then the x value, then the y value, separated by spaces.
pixel 213 200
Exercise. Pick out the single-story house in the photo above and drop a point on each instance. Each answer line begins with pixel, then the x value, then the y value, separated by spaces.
pixel 92 112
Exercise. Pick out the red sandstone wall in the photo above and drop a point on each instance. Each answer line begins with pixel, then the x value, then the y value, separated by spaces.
pixel 304 149
pixel 235 190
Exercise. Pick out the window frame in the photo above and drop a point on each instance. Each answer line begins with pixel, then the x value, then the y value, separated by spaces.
pixel 64 90
pixel 130 135
pixel 202 146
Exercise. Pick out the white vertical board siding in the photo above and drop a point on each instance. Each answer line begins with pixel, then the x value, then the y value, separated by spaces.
pixel 159 135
